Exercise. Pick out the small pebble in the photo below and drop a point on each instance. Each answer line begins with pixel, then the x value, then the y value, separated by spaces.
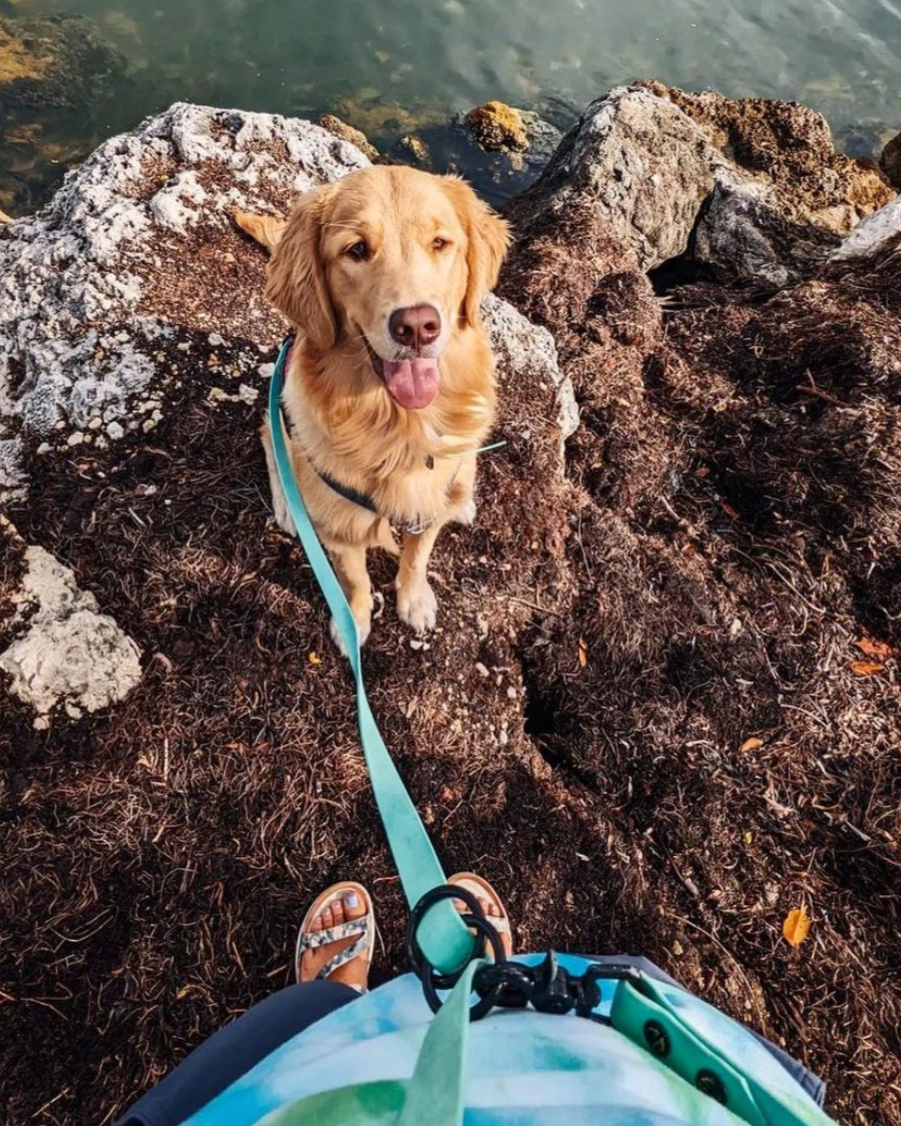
pixel 481 670
pixel 76 439
pixel 115 431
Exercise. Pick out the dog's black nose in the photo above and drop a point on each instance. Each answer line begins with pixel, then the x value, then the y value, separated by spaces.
pixel 415 326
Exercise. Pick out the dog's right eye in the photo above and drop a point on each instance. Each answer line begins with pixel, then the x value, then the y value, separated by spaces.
pixel 359 251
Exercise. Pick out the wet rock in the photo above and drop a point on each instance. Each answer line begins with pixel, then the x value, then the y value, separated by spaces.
pixel 54 61
pixel 890 161
pixel 347 133
pixel 412 150
pixel 863 139
pixel 497 127
pixel 65 652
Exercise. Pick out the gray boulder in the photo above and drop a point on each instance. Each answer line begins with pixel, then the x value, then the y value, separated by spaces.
pixel 752 189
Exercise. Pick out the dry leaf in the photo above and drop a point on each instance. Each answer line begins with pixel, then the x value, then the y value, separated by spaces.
pixel 751 744
pixel 866 668
pixel 583 652
pixel 796 926
pixel 878 650
pixel 314 660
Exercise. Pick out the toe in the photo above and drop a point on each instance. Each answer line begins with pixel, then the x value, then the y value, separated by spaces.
pixel 327 919
pixel 338 913
pixel 354 907
pixel 316 924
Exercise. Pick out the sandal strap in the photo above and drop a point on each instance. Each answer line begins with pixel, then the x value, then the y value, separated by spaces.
pixel 344 956
pixel 312 940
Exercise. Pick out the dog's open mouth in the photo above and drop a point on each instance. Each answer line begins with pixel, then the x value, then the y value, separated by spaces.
pixel 412 384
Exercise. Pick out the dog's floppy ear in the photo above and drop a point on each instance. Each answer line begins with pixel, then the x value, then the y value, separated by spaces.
pixel 297 284
pixel 487 235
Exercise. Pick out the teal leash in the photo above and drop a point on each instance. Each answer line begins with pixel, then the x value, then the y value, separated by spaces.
pixel 444 938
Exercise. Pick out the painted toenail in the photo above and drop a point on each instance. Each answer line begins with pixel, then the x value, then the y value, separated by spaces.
pixel 352 900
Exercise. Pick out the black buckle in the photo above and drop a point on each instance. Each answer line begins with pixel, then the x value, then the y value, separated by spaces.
pixel 548 987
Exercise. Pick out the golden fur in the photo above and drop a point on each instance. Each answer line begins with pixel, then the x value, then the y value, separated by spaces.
pixel 431 241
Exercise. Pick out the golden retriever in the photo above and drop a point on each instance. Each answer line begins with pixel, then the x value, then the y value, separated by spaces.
pixel 389 389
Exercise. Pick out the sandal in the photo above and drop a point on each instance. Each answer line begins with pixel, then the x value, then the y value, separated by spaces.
pixel 480 888
pixel 363 927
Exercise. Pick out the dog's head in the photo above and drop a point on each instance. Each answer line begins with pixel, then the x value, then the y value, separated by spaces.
pixel 394 261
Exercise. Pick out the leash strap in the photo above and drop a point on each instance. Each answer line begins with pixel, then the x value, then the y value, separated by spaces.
pixel 443 936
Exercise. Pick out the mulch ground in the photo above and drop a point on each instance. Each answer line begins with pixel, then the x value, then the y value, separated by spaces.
pixel 694 576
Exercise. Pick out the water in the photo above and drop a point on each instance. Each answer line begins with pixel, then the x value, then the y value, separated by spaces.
pixel 391 65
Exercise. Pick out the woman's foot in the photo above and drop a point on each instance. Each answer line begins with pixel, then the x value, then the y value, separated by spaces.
pixel 490 902
pixel 337 908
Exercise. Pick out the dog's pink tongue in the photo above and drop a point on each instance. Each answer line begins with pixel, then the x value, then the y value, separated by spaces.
pixel 411 383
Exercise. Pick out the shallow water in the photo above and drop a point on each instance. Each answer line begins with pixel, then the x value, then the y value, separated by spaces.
pixel 389 66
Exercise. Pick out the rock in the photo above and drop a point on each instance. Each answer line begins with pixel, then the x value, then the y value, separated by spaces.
pixel 643 166
pixel 497 127
pixel 753 189
pixel 130 260
pixel 55 61
pixel 4 218
pixel 873 234
pixel 792 147
pixel 890 161
pixel 66 651
pixel 412 150
pixel 742 238
pixel 524 348
pixel 347 133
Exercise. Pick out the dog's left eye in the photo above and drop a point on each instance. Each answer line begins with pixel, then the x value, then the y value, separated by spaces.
pixel 359 251
pixel 439 243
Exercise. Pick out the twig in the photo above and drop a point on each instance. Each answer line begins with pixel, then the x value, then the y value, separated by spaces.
pixel 818 394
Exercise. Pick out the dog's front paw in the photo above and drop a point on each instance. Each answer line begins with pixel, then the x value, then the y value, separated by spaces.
pixel 417 606
pixel 467 512
pixel 363 631
pixel 282 515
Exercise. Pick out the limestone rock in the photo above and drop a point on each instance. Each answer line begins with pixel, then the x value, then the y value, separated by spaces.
pixel 347 132
pixel 754 189
pixel 109 293
pixel 523 348
pixel 642 164
pixel 790 146
pixel 743 238
pixel 66 651
pixel 872 234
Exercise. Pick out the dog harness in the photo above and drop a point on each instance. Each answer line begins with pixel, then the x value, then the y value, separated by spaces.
pixel 409 527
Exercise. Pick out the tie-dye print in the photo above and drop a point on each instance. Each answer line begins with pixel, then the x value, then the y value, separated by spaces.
pixel 523 1069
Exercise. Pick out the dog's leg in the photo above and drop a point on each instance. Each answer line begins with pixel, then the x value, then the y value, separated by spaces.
pixel 350 566
pixel 416 602
pixel 279 504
